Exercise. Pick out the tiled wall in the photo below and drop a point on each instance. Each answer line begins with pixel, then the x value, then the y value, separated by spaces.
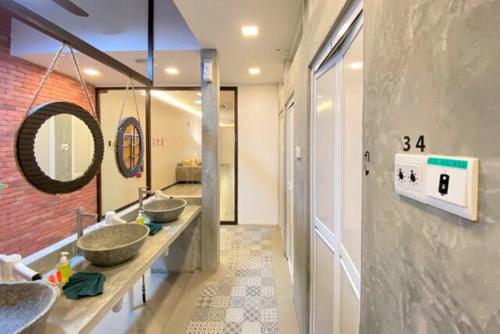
pixel 29 219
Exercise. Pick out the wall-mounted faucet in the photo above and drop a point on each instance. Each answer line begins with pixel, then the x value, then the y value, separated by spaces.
pixel 79 220
pixel 143 191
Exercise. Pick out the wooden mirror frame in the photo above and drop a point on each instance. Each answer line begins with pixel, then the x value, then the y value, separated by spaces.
pixel 122 166
pixel 25 147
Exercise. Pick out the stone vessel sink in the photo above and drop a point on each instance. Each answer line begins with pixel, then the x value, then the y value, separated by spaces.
pixel 112 245
pixel 164 210
pixel 25 306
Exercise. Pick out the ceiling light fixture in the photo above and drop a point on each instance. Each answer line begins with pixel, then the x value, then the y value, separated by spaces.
pixel 91 71
pixel 250 31
pixel 254 71
pixel 356 65
pixel 197 101
pixel 162 96
pixel 172 70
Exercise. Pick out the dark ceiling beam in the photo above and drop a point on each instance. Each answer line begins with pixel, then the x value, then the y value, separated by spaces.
pixel 45 26
pixel 151 39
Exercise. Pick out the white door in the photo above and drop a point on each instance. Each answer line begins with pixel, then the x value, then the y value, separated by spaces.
pixel 337 171
pixel 289 159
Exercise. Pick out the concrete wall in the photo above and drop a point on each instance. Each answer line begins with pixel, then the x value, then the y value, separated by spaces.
pixel 258 154
pixel 431 68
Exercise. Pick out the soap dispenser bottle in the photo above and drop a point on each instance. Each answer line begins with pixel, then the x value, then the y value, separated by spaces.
pixel 140 218
pixel 64 267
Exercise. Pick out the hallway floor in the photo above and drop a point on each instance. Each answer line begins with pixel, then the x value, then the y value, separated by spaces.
pixel 250 293
pixel 227 180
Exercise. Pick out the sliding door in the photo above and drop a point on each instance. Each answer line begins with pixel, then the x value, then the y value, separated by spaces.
pixel 337 154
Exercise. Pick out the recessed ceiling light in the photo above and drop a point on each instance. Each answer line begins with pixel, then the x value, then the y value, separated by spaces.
pixel 172 70
pixel 91 71
pixel 356 65
pixel 254 71
pixel 197 102
pixel 250 31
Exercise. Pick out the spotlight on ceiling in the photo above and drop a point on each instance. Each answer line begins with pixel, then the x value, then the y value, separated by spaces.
pixel 91 71
pixel 172 70
pixel 250 31
pixel 356 65
pixel 254 71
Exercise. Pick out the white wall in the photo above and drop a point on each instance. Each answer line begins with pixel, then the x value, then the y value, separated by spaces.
pixel 258 154
pixel 180 133
pixel 117 190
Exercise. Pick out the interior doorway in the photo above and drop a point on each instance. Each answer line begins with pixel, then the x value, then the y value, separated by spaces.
pixel 337 159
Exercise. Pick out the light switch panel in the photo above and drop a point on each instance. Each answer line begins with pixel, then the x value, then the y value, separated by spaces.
pixel 207 71
pixel 448 183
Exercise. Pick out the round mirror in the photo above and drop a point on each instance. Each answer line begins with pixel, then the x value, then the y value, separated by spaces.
pixel 59 147
pixel 64 147
pixel 130 147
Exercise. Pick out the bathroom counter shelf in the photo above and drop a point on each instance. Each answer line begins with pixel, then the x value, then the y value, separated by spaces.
pixel 81 316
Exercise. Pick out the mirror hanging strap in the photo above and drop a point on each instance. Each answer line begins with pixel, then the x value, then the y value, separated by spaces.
pixel 84 85
pixel 45 77
pixel 130 83
pixel 50 69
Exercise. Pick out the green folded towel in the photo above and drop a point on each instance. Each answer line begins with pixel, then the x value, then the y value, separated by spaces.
pixel 154 228
pixel 84 284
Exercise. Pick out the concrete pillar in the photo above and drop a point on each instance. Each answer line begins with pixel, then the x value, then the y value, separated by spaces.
pixel 210 228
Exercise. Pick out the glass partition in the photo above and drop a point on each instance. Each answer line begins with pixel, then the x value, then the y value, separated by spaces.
pixel 176 142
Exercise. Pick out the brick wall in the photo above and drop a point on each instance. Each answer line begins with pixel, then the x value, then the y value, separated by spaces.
pixel 29 219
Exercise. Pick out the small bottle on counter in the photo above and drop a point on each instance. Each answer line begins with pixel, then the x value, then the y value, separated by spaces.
pixel 140 218
pixel 64 267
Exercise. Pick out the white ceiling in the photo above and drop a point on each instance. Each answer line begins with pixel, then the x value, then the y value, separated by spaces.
pixel 187 100
pixel 217 24
pixel 118 27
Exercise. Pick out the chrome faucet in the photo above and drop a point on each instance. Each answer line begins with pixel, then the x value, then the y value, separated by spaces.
pixel 79 220
pixel 143 191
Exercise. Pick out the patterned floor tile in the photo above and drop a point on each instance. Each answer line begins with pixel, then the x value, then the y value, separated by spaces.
pixel 244 300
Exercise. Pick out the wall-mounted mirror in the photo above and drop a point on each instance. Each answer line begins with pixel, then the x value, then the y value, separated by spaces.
pixel 59 147
pixel 130 147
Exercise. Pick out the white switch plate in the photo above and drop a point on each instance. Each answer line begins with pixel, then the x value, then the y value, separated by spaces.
pixel 298 153
pixel 448 183
pixel 207 71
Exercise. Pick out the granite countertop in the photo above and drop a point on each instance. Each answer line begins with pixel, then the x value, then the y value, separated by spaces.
pixel 81 316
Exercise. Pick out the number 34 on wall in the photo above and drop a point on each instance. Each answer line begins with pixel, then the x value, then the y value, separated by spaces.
pixel 407 143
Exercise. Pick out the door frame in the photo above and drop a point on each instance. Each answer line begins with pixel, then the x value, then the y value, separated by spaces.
pixel 329 55
pixel 281 175
pixel 235 91
pixel 289 235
